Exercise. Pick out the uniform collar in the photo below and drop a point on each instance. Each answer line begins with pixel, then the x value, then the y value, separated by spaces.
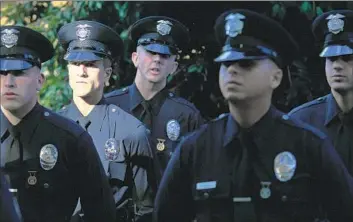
pixel 261 128
pixel 26 126
pixel 333 111
pixel 156 102
pixel 96 114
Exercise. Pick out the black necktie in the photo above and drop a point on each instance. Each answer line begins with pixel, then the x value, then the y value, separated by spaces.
pixel 146 114
pixel 243 180
pixel 84 122
pixel 343 141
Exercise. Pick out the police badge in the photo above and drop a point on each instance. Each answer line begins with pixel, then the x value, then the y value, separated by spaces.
pixel 285 165
pixel 160 144
pixel 164 27
pixel 335 24
pixel 173 129
pixel 111 148
pixel 83 32
pixel 48 156
pixel 234 25
pixel 9 37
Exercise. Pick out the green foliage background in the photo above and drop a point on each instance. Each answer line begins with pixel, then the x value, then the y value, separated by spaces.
pixel 193 80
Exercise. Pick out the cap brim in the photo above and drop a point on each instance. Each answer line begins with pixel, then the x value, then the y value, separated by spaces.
pixel 83 56
pixel 14 64
pixel 229 56
pixel 336 50
pixel 158 48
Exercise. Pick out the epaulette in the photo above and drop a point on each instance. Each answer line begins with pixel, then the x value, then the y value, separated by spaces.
pixel 182 101
pixel 317 101
pixel 62 122
pixel 117 92
pixel 288 120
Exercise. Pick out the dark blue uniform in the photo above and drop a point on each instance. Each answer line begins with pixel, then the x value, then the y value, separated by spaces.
pixel 8 205
pixel 273 168
pixel 198 181
pixel 50 161
pixel 167 116
pixel 324 114
pixel 335 30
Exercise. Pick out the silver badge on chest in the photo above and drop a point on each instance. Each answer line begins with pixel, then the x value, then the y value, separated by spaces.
pixel 83 31
pixel 285 165
pixel 9 37
pixel 335 23
pixel 48 156
pixel 234 25
pixel 111 148
pixel 173 130
pixel 164 27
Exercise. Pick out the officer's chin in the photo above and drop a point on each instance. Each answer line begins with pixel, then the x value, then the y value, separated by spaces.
pixel 341 87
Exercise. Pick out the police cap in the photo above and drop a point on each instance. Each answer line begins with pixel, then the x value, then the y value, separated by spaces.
pixel 22 48
pixel 89 41
pixel 248 35
pixel 160 34
pixel 334 30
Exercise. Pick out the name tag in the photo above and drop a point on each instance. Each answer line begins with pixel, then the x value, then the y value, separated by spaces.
pixel 206 185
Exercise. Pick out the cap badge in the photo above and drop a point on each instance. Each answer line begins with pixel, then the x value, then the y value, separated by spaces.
pixel 234 25
pixel 83 31
pixel 164 27
pixel 9 37
pixel 335 24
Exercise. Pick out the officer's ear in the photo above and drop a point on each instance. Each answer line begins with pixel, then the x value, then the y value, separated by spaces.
pixel 40 81
pixel 276 77
pixel 107 74
pixel 134 58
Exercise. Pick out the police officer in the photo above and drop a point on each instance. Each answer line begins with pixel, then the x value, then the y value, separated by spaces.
pixel 121 139
pixel 333 113
pixel 50 160
pixel 9 210
pixel 168 117
pixel 254 164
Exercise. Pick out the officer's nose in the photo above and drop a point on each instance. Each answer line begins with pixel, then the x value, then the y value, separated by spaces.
pixel 157 57
pixel 82 70
pixel 9 80
pixel 337 65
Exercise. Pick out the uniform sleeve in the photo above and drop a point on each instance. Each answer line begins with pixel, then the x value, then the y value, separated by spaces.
pixel 174 202
pixel 196 121
pixel 337 191
pixel 135 169
pixel 7 205
pixel 92 183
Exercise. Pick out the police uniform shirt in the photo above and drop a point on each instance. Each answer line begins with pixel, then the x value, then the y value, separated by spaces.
pixel 52 162
pixel 8 206
pixel 324 114
pixel 106 122
pixel 166 110
pixel 296 172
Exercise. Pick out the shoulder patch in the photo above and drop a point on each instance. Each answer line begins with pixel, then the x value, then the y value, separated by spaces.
pixel 182 101
pixel 288 120
pixel 317 101
pixel 117 92
pixel 63 123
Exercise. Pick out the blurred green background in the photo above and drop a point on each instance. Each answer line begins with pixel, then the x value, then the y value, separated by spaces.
pixel 196 79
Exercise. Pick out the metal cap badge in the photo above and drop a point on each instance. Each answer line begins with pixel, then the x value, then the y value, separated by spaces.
pixel 335 24
pixel 111 149
pixel 9 37
pixel 173 129
pixel 83 31
pixel 234 25
pixel 285 165
pixel 48 156
pixel 164 27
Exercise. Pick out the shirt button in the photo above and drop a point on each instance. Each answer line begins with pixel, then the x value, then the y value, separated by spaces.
pixel 113 110
pixel 284 198
pixel 46 185
pixel 46 113
pixel 206 195
pixel 285 117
